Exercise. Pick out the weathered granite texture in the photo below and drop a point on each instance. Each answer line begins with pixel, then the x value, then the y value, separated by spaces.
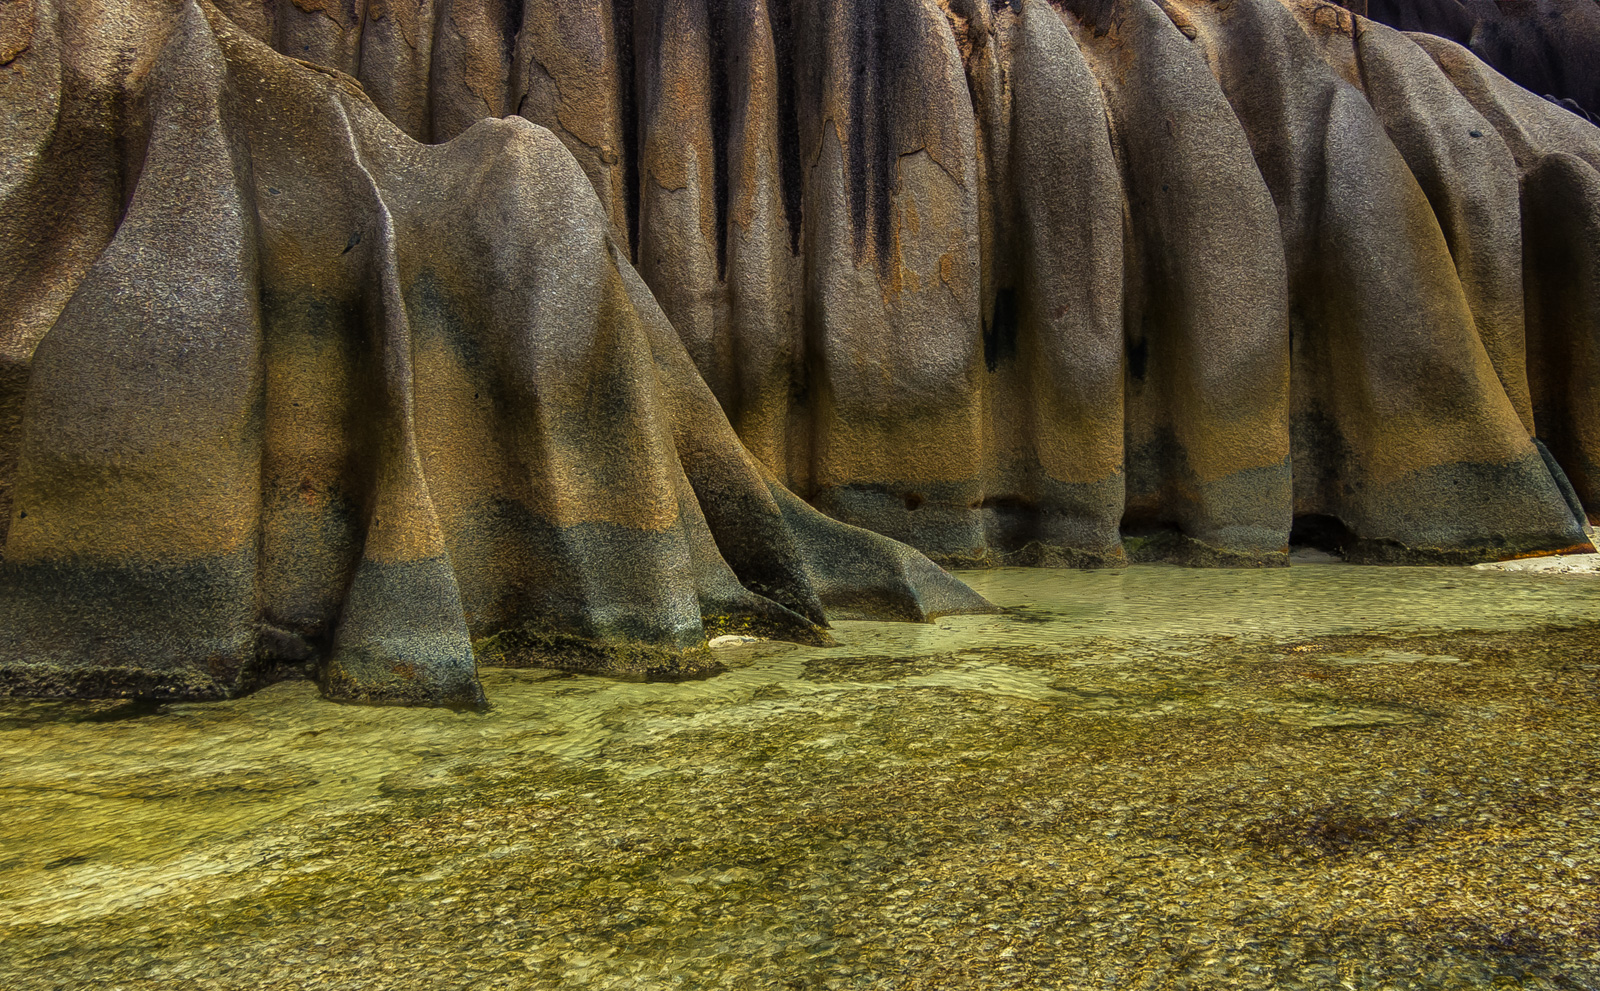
pixel 1013 280
pixel 287 388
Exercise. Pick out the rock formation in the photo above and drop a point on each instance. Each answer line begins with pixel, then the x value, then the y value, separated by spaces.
pixel 287 387
pixel 1013 280
pixel 1040 282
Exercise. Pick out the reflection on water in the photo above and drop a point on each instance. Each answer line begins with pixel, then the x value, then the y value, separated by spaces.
pixel 1152 778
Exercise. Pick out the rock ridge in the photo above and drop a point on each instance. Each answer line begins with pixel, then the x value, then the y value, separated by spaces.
pixel 1014 281
pixel 322 399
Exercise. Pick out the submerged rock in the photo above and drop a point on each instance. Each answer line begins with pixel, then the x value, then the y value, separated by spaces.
pixel 320 395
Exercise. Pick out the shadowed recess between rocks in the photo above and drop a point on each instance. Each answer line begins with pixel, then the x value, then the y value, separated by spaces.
pixel 1547 46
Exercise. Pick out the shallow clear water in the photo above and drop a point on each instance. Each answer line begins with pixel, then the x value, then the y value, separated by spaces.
pixel 1150 778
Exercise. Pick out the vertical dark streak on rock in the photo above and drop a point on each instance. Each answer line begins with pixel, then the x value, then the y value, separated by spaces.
pixel 275 35
pixel 863 53
pixel 1138 358
pixel 995 253
pixel 121 121
pixel 1000 331
pixel 358 25
pixel 510 26
pixel 790 173
pixel 511 14
pixel 628 88
pixel 441 16
pixel 885 154
pixel 721 115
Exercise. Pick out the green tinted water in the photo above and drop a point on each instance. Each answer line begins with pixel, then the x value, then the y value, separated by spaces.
pixel 1311 777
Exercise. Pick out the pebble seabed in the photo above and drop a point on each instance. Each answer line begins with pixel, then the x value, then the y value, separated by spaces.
pixel 1158 778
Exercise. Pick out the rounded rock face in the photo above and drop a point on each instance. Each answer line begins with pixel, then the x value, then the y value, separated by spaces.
pixel 288 389
pixel 1012 281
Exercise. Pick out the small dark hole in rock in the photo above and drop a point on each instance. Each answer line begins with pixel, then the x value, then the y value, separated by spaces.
pixel 914 501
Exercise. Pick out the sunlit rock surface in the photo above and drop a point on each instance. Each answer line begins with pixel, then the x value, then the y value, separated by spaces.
pixel 1163 778
pixel 1009 280
pixel 288 390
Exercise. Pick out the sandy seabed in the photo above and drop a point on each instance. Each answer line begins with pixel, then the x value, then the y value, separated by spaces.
pixel 1154 778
